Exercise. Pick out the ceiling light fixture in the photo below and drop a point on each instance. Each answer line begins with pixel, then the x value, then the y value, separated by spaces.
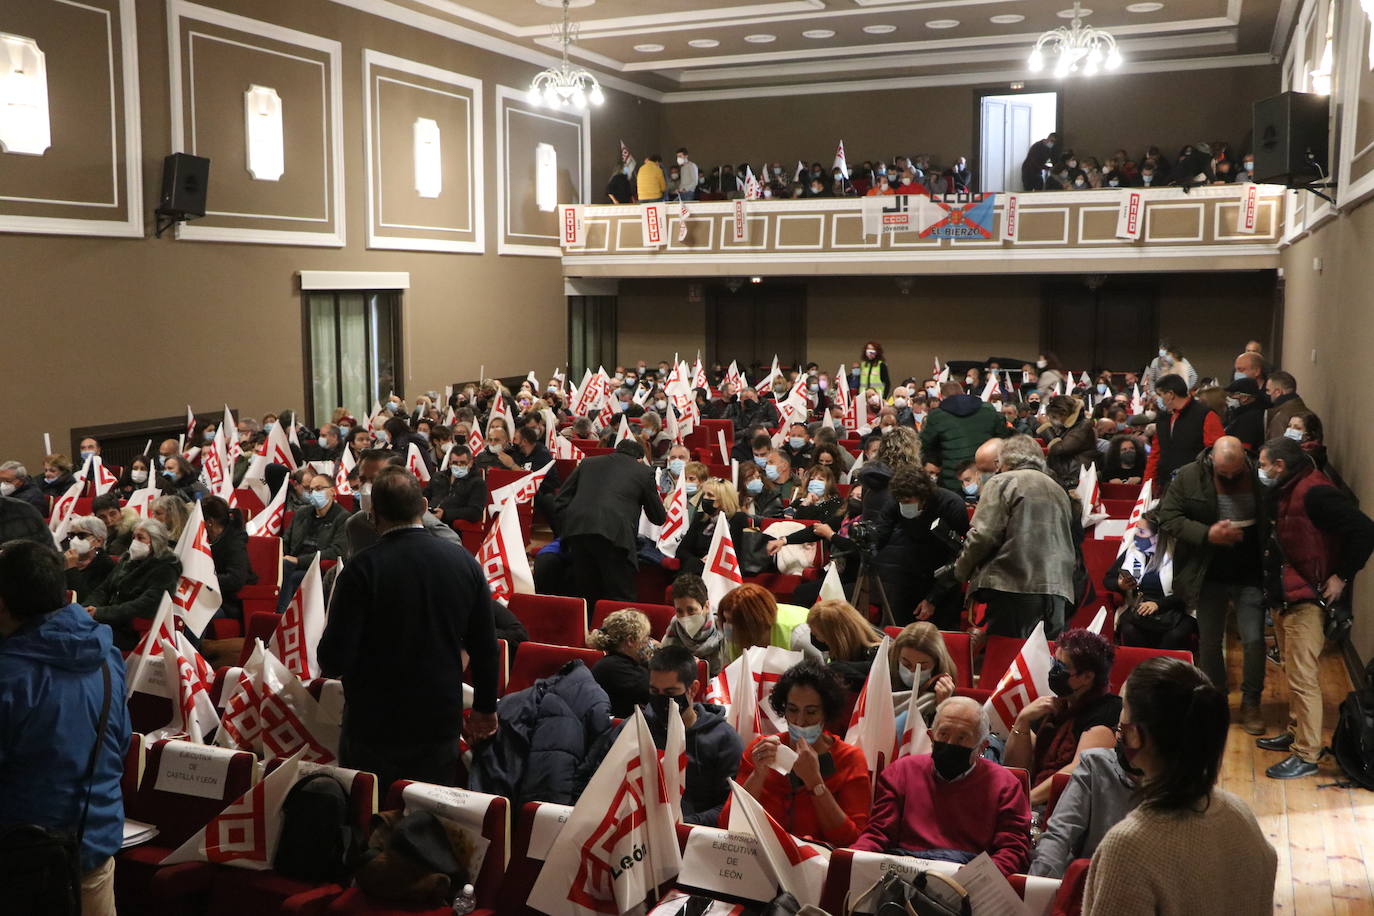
pixel 703 43
pixel 818 33
pixel 649 48
pixel 1077 48
pixel 1150 7
pixel 761 39
pixel 879 29
pixel 565 84
pixel 1006 18
pixel 942 24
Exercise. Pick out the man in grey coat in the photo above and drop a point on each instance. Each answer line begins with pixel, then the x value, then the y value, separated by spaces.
pixel 1019 554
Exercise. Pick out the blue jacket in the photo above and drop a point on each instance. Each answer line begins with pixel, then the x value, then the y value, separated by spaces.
pixel 50 695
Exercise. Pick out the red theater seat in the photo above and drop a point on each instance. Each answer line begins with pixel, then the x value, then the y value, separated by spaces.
pixel 535 660
pixel 552 619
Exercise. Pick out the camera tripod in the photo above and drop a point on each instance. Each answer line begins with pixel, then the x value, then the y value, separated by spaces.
pixel 868 584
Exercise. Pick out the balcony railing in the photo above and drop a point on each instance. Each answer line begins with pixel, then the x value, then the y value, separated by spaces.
pixel 1057 232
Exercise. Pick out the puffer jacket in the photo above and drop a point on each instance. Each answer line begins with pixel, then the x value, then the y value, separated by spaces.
pixel 1021 537
pixel 51 691
pixel 954 430
pixel 543 733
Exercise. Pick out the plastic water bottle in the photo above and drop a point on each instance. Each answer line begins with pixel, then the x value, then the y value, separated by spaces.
pixel 465 902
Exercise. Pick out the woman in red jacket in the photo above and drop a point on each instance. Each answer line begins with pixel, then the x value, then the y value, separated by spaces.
pixel 826 795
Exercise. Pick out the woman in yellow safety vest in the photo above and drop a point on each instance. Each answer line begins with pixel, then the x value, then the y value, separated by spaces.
pixel 873 371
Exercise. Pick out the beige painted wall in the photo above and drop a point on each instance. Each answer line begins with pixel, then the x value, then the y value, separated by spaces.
pixel 1099 115
pixel 1328 336
pixel 1209 315
pixel 128 329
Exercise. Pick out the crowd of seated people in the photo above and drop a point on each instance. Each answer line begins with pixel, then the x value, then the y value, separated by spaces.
pixel 961 489
pixel 1049 167
pixel 683 179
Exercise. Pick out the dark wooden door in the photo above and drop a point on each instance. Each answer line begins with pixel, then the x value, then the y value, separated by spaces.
pixel 1107 324
pixel 753 322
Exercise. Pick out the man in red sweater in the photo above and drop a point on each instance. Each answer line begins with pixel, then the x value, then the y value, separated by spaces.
pixel 952 804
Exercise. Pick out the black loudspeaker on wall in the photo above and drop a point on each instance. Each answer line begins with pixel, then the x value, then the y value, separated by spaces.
pixel 184 179
pixel 1291 139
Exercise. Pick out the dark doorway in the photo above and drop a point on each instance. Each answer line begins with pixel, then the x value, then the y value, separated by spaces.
pixel 1097 324
pixel 753 321
pixel 591 333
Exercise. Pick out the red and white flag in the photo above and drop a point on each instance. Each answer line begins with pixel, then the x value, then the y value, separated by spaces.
pixel 502 556
pixel 292 721
pixel 873 725
pixel 197 595
pixel 231 436
pixel 840 162
pixel 141 500
pixel 675 527
pixel 624 432
pixel 144 664
pixel 270 521
pixel 572 225
pixel 847 402
pixel 682 214
pixel 101 478
pixel 1011 219
pixel 1090 496
pixel 699 379
pixel 1247 213
pixel 415 463
pixel 627 162
pixel 733 378
pixel 193 713
pixel 675 761
pixel 618 844
pixel 1142 505
pixel 765 666
pixel 1098 621
pixel 299 630
pixel 563 448
pixel 245 834
pixel 752 189
pixel 794 865
pixel 915 737
pixel 743 713
pixel 345 467
pixel 476 441
pixel 275 449
pixel 523 489
pixel 190 424
pixel 722 573
pixel 215 466
pixel 1023 683
pixel 1137 403
pixel 606 416
pixel 61 519
pixel 240 724
pixel 550 428
pixel 653 221
pixel 991 387
pixel 1130 214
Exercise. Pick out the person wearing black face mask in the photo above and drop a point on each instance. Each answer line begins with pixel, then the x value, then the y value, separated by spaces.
pixel 951 804
pixel 1125 460
pixel 1050 732
pixel 719 502
pixel 842 549
pixel 713 747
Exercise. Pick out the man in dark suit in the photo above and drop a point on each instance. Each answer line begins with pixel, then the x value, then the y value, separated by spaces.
pixel 1034 167
pixel 531 454
pixel 599 510
pixel 402 612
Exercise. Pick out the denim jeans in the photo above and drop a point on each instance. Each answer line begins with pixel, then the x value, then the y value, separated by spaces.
pixel 1211 624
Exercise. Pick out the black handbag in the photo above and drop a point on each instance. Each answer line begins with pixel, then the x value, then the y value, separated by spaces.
pixel 928 894
pixel 40 867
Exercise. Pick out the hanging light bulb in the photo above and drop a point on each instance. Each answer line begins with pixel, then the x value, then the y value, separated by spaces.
pixel 1077 48
pixel 1037 60
pixel 533 96
pixel 579 99
pixel 596 96
pixel 550 96
pixel 1113 58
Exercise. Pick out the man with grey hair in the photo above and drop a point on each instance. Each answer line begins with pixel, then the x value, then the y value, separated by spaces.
pixel 951 804
pixel 1019 554
pixel 16 484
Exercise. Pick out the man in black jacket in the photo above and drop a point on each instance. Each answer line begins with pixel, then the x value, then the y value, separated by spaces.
pixel 929 523
pixel 458 493
pixel 531 455
pixel 16 484
pixel 318 529
pixel 1184 427
pixel 1245 420
pixel 599 510
pixel 21 522
pixel 401 615
pixel 713 747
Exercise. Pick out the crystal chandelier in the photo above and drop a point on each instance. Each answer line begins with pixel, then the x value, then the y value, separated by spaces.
pixel 565 84
pixel 1077 48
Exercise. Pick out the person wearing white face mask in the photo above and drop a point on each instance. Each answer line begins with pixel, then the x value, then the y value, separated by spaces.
pixel 820 501
pixel 758 498
pixel 920 664
pixel 458 494
pixel 16 484
pixel 929 523
pixel 798 447
pixel 688 175
pixel 135 587
pixel 87 562
pixel 57 476
pixel 319 531
pixel 826 794
pixel 1245 413
pixel 694 626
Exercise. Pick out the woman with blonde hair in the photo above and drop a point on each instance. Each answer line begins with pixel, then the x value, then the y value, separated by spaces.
pixel 750 616
pixel 719 501
pixel 624 672
pixel 172 512
pixel 846 637
pixel 919 662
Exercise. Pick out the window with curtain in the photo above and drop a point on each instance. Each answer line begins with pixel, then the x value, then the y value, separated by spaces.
pixel 354 355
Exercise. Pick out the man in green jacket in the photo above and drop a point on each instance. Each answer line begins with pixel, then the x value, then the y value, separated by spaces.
pixel 954 430
pixel 1215 515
